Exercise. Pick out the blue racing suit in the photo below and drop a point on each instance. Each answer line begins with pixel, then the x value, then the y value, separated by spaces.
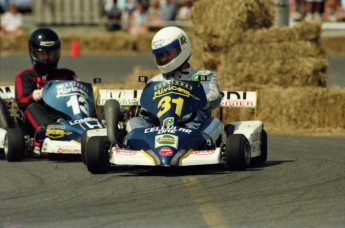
pixel 211 126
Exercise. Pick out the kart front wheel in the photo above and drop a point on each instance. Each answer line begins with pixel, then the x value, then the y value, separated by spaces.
pixel 83 143
pixel 237 152
pixel 14 144
pixel 97 154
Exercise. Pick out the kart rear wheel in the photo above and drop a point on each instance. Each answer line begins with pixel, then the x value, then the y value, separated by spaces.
pixel 97 154
pixel 263 156
pixel 237 152
pixel 14 144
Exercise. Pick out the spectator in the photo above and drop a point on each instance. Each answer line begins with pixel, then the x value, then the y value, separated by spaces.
pixel 313 10
pixel 153 18
pixel 334 10
pixel 128 7
pixel 341 11
pixel 138 20
pixel 184 12
pixel 168 10
pixel 296 8
pixel 12 21
pixel 113 14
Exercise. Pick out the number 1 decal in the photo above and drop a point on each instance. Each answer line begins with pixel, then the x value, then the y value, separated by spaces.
pixel 78 104
pixel 165 105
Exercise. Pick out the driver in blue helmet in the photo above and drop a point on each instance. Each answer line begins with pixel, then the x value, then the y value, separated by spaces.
pixel 172 49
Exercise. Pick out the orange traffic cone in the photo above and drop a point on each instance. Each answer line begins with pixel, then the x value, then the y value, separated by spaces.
pixel 75 52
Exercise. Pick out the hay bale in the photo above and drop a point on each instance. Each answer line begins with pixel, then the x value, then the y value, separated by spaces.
pixel 229 16
pixel 299 71
pixel 10 43
pixel 286 65
pixel 333 45
pixel 305 108
pixel 296 110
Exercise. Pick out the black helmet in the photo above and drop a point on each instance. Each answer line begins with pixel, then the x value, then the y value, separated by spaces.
pixel 44 49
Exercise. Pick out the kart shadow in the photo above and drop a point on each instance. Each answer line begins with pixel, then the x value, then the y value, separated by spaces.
pixel 64 158
pixel 169 171
pixel 267 164
pixel 128 171
pixel 52 158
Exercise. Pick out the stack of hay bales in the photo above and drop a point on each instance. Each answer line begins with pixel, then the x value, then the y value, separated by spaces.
pixel 287 66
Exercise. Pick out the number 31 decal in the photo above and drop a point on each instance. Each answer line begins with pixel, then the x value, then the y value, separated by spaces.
pixel 165 105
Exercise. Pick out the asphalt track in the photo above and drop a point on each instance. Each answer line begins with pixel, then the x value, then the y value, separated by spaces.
pixel 301 185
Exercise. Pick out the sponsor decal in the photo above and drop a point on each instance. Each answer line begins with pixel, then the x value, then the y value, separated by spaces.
pixel 202 152
pixel 238 103
pixel 56 127
pixel 183 41
pixel 68 150
pixel 47 43
pixel 56 133
pixel 167 130
pixel 123 152
pixel 166 151
pixel 85 120
pixel 173 89
pixel 157 43
pixel 70 88
pixel 166 140
pixel 239 99
pixel 122 101
pixel 177 87
pixel 168 121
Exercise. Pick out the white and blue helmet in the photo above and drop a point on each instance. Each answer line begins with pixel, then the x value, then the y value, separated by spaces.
pixel 171 38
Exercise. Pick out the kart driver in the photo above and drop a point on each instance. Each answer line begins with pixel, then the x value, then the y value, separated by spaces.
pixel 172 49
pixel 44 51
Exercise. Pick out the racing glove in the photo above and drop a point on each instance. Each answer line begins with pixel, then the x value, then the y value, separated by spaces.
pixel 37 94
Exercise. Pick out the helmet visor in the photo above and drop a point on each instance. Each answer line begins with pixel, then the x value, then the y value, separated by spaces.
pixel 45 56
pixel 166 54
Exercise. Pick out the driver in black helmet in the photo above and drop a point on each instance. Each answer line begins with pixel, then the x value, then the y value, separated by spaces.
pixel 44 51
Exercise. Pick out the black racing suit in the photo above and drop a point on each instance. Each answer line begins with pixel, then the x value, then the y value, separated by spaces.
pixel 36 114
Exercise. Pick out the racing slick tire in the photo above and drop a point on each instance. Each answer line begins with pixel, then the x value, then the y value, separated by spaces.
pixel 4 116
pixel 237 152
pixel 14 144
pixel 83 143
pixel 112 112
pixel 97 154
pixel 263 156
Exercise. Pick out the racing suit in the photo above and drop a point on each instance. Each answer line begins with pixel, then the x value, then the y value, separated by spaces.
pixel 29 80
pixel 203 120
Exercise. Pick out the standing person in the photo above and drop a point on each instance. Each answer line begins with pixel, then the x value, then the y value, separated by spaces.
pixel 184 13
pixel 113 14
pixel 172 49
pixel 44 51
pixel 12 21
pixel 313 10
pixel 154 20
pixel 138 20
pixel 168 10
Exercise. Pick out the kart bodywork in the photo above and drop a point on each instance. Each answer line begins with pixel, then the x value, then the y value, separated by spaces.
pixel 171 143
pixel 74 102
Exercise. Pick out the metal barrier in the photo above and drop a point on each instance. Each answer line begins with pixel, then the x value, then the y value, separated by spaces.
pixel 68 12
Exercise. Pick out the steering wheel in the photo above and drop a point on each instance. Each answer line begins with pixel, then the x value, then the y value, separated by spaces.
pixel 182 123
